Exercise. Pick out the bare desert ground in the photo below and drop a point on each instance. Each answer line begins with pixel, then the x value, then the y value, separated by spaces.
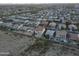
pixel 12 44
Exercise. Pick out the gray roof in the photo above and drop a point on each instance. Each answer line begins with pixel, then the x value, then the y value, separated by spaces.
pixel 50 32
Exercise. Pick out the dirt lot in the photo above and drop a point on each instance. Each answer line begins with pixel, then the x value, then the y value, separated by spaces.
pixel 51 49
pixel 13 44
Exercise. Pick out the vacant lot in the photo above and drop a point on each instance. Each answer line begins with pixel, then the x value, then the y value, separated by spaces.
pixel 47 48
pixel 13 44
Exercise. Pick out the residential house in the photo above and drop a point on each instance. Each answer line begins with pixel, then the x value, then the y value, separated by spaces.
pixel 50 34
pixel 39 31
pixel 61 33
pixel 73 35
pixel 44 23
pixel 61 26
pixel 52 24
pixel 72 27
pixel 61 36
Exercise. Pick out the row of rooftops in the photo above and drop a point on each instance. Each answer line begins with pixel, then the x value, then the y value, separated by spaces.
pixel 53 13
pixel 49 20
